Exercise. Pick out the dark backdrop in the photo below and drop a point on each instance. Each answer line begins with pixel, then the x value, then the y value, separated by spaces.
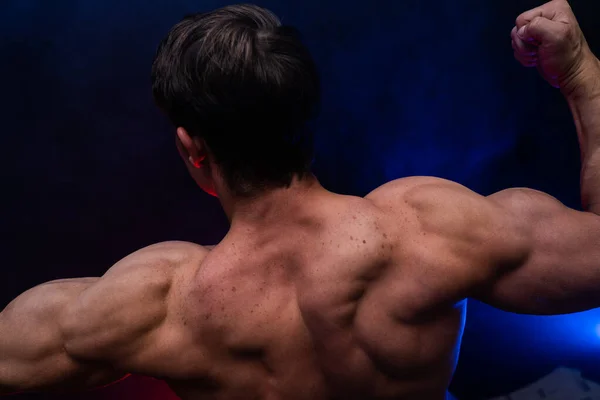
pixel 90 172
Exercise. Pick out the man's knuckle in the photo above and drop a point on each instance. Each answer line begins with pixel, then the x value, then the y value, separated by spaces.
pixel 536 22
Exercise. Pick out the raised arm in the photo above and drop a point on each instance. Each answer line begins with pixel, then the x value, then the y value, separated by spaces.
pixel 549 37
pixel 520 250
pixel 562 271
pixel 82 333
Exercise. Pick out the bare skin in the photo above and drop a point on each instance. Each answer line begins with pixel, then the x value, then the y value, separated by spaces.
pixel 313 295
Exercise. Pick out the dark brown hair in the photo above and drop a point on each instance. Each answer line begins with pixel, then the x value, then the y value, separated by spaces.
pixel 243 82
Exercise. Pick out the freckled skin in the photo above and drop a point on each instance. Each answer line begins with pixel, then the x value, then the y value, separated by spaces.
pixel 314 315
pixel 344 298
pixel 333 297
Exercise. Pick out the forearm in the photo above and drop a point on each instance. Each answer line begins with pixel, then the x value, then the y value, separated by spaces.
pixel 584 101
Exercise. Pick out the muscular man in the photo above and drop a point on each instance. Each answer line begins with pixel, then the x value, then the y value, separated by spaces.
pixel 312 295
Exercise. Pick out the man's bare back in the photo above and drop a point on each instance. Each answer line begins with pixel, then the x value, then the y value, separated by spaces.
pixel 314 295
pixel 325 304
pixel 342 298
pixel 294 311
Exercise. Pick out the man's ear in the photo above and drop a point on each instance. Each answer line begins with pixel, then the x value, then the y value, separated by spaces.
pixel 195 149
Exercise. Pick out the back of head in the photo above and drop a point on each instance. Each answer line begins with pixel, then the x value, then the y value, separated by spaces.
pixel 248 87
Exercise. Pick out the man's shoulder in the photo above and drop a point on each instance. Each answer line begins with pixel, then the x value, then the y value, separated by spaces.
pixel 398 188
pixel 176 246
pixel 161 264
pixel 170 252
pixel 416 194
pixel 130 315
pixel 463 237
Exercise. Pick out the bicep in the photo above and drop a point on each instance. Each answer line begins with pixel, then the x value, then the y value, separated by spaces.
pixel 561 273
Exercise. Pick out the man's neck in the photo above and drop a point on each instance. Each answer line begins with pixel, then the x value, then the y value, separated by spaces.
pixel 272 204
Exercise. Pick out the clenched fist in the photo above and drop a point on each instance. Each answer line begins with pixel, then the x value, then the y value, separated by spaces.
pixel 549 38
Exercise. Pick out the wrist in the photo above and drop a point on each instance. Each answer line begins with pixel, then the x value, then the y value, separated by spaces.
pixel 584 81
